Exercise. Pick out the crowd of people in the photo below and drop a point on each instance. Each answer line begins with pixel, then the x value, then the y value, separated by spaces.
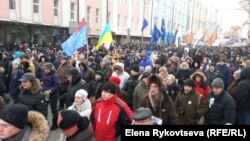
pixel 92 94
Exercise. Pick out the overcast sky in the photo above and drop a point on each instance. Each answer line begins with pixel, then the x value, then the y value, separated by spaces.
pixel 230 12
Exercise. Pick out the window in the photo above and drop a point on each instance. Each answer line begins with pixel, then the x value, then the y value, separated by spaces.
pixel 118 22
pixel 72 10
pixel 88 14
pixel 97 18
pixel 55 7
pixel 36 6
pixel 12 4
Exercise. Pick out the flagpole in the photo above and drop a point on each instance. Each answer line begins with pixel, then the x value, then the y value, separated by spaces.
pixel 142 23
pixel 87 24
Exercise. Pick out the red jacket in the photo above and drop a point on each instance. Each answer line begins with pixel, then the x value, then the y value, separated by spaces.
pixel 201 90
pixel 108 116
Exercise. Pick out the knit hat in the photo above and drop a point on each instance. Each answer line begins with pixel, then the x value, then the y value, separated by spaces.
pixel 115 80
pixel 217 83
pixel 110 87
pixel 135 68
pixel 48 66
pixel 70 122
pixel 82 93
pixel 142 114
pixel 29 77
pixel 16 61
pixel 190 83
pixel 15 115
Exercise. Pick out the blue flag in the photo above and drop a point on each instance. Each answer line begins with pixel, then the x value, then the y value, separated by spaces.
pixel 76 41
pixel 163 29
pixel 155 35
pixel 144 24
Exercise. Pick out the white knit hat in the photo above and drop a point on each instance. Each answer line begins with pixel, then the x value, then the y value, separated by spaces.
pixel 82 93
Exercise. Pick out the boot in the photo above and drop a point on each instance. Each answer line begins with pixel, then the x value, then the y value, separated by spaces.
pixel 54 125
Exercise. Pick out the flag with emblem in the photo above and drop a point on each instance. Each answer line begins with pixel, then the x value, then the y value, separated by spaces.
pixel 77 40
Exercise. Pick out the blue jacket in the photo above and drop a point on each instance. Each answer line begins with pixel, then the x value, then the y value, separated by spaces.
pixel 146 62
pixel 51 81
pixel 225 74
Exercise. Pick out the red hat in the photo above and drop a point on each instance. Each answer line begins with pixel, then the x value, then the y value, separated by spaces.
pixel 115 80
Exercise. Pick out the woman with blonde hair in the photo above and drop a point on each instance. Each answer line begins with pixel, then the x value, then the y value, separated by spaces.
pixel 163 73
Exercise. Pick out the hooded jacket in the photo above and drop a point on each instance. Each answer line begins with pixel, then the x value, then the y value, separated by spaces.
pixel 123 75
pixel 34 99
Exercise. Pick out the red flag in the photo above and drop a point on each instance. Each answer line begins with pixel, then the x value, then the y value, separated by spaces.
pixel 80 25
pixel 212 38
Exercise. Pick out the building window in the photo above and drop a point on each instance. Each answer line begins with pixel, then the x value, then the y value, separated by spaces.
pixel 118 21
pixel 88 14
pixel 97 18
pixel 72 10
pixel 36 6
pixel 55 7
pixel 12 4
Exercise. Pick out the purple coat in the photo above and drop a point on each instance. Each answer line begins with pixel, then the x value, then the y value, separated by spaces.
pixel 51 81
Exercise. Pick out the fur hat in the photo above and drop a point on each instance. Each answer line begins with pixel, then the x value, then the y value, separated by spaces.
pixel 110 87
pixel 70 122
pixel 217 83
pixel 154 79
pixel 190 83
pixel 29 77
pixel 15 115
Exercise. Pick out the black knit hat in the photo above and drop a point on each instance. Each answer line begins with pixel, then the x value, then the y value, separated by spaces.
pixel 15 115
pixel 110 87
pixel 190 83
pixel 135 68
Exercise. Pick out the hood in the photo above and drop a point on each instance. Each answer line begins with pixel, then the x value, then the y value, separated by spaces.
pixel 40 126
pixel 203 77
pixel 36 87
pixel 119 66
pixel 245 73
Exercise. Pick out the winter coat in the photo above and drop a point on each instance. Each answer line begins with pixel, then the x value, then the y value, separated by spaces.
pixel 146 62
pixel 222 110
pixel 62 71
pixel 166 111
pixel 243 91
pixel 201 87
pixel 14 82
pixel 172 91
pixel 139 92
pixel 123 75
pixel 107 117
pixel 225 74
pixel 189 108
pixel 2 85
pixel 211 76
pixel 76 84
pixel 34 99
pixel 129 87
pixel 84 109
pixel 37 130
pixel 183 75
pixel 84 135
pixel 232 88
pixel 51 81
